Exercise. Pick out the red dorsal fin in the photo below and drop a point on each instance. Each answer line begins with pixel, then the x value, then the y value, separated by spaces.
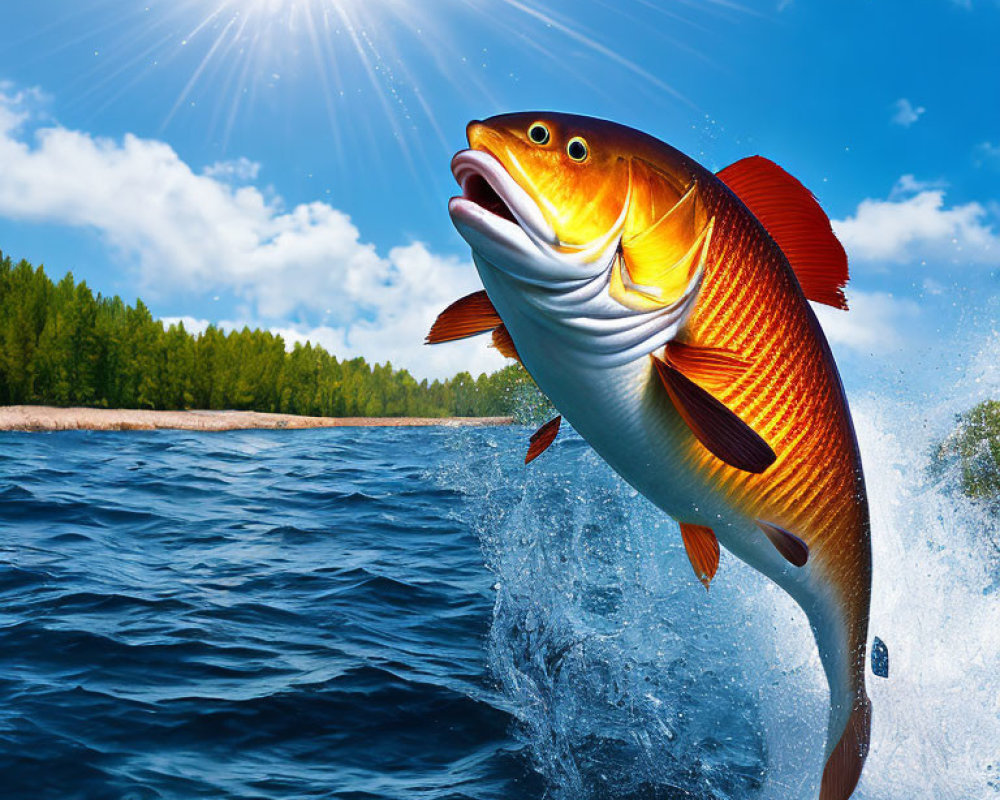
pixel 703 550
pixel 503 342
pixel 707 366
pixel 788 544
pixel 471 315
pixel 793 217
pixel 724 434
pixel 542 438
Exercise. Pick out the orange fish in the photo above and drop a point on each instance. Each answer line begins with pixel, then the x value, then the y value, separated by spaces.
pixel 664 311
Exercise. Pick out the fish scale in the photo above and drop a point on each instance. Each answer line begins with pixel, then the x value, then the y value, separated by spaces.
pixel 779 374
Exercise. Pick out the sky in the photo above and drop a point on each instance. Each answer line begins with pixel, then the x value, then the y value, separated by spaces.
pixel 285 163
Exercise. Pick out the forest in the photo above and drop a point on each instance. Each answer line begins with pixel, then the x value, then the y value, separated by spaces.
pixel 62 345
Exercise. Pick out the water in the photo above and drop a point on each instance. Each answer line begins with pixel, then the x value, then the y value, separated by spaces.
pixel 391 613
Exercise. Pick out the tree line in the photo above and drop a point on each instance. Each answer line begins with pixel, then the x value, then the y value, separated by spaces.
pixel 62 345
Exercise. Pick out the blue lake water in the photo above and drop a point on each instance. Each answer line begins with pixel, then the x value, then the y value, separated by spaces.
pixel 393 613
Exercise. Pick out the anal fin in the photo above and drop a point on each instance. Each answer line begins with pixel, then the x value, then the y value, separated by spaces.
pixel 703 550
pixel 723 433
pixel 790 546
pixel 542 438
pixel 470 316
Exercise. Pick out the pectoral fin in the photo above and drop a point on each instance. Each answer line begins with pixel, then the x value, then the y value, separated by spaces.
pixel 703 550
pixel 542 438
pixel 503 342
pixel 711 368
pixel 472 315
pixel 788 544
pixel 721 432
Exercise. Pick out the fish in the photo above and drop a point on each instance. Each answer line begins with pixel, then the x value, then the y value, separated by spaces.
pixel 665 312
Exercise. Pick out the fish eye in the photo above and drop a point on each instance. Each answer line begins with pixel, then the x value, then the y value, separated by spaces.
pixel 577 149
pixel 538 133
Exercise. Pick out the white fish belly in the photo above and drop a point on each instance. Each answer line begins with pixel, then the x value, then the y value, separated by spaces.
pixel 625 414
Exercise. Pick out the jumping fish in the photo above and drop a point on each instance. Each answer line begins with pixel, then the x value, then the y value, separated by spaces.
pixel 664 311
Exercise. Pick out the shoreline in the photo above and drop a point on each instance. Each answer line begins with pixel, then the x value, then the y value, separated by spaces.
pixel 52 418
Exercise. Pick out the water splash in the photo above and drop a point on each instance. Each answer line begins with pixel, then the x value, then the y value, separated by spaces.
pixel 628 681
pixel 937 720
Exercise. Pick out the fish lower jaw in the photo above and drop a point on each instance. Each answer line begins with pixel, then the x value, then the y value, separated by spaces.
pixel 486 231
pixel 506 247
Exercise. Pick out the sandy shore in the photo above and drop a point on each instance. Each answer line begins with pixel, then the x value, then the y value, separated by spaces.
pixel 49 418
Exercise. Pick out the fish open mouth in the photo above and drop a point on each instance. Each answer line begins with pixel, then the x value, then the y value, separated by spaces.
pixel 505 226
pixel 477 189
pixel 493 203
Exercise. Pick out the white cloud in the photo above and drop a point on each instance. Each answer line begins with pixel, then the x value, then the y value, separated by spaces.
pixel 908 185
pixel 987 154
pixel 914 225
pixel 875 324
pixel 408 306
pixel 933 287
pixel 17 106
pixel 905 113
pixel 237 170
pixel 190 232
pixel 191 324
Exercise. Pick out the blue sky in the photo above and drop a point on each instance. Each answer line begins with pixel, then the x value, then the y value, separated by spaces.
pixel 285 162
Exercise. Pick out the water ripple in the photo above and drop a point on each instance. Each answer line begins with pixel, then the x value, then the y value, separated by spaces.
pixel 244 615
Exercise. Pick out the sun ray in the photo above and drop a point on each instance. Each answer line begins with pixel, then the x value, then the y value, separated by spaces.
pixel 371 67
pixel 594 45
pixel 220 43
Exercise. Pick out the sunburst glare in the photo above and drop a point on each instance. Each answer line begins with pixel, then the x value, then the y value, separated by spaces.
pixel 366 64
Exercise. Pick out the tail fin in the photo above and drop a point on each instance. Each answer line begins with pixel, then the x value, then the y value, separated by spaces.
pixel 841 635
pixel 843 767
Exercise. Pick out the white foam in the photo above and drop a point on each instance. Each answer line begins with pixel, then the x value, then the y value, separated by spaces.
pixel 936 724
pixel 626 675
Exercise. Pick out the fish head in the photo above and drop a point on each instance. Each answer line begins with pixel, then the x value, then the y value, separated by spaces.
pixel 600 220
pixel 572 172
